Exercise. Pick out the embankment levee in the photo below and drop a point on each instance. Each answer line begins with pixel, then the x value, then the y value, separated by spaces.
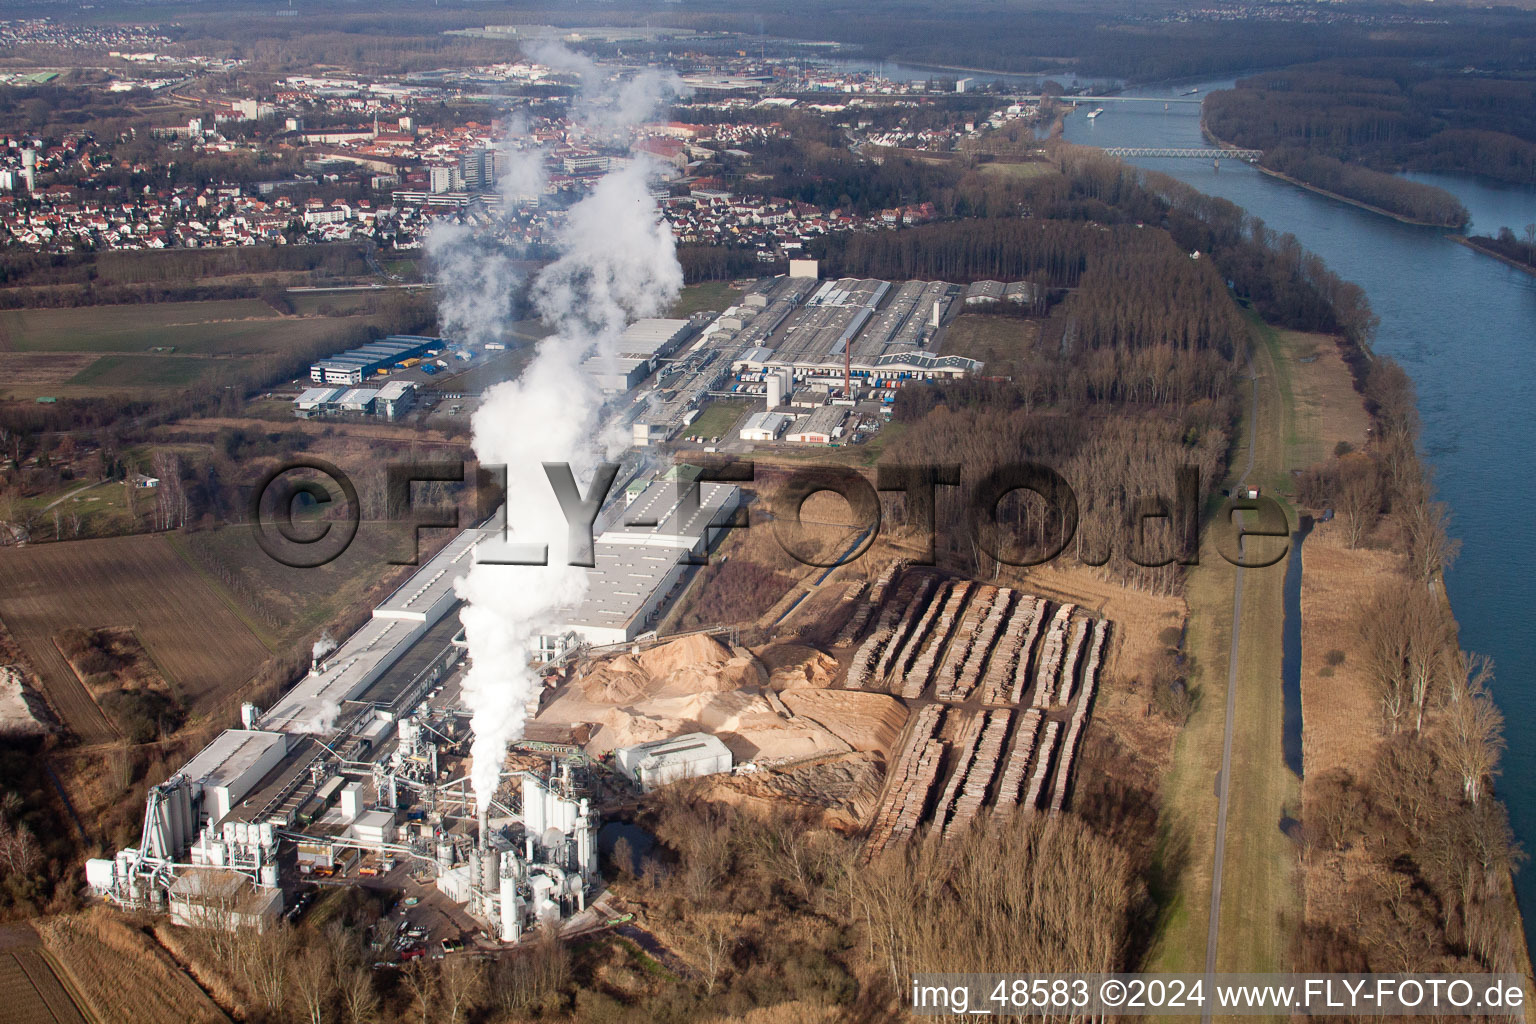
pixel 1471 243
pixel 1289 179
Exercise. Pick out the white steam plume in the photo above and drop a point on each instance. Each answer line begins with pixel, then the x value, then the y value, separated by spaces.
pixel 618 263
pixel 323 646
pixel 606 105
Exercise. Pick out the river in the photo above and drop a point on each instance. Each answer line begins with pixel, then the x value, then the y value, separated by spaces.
pixel 1464 327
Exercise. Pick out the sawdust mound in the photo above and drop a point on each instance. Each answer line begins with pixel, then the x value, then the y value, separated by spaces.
pixel 865 721
pixel 841 792
pixel 815 670
pixel 747 722
pixel 689 665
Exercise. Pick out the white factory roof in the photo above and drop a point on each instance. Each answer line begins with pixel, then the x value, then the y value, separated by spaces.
pixel 417 605
pixel 313 397
pixel 434 581
pixel 680 510
pixel 765 423
pixel 231 755
pixel 755 356
pixel 644 337
pixel 312 704
pixel 395 390
pixel 357 397
pixel 684 749
pixel 621 583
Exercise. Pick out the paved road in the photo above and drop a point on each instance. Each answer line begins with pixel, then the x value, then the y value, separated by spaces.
pixel 1223 780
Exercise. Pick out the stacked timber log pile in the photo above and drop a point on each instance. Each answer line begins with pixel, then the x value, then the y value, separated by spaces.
pixel 911 777
pixel 1042 766
pixel 855 625
pixel 986 647
pixel 871 649
pixel 888 577
pixel 1026 658
pixel 1080 630
pixel 1012 781
pixel 964 751
pixel 902 663
pixel 1049 662
pixel 1079 720
pixel 951 684
pixel 916 678
pixel 912 608
pixel 979 776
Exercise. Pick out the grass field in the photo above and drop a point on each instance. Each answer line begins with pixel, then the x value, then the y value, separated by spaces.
pixel 97 350
pixel 103 508
pixel 127 372
pixel 188 626
pixel 712 295
pixel 1260 891
pixel 718 418
pixel 118 328
pixel 998 341
pixel 1016 171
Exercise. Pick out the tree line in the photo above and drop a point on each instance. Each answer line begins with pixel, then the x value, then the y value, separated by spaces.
pixel 1387 115
pixel 1410 199
pixel 1433 888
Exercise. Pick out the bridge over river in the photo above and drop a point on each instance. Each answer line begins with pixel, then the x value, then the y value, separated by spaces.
pixel 1195 153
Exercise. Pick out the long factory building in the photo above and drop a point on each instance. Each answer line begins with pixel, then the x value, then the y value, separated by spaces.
pixel 871 328
pixel 229 805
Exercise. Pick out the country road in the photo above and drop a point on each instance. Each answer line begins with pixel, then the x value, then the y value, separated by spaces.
pixel 1224 778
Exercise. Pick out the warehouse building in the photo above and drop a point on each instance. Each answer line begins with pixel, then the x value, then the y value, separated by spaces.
pixel 656 764
pixel 822 426
pixel 765 426
pixel 638 352
pixel 642 560
pixel 352 367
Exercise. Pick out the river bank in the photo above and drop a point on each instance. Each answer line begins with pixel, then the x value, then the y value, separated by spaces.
pixel 1524 268
pixel 1319 190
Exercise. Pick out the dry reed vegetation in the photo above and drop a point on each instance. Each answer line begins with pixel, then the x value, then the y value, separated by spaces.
pixel 121 974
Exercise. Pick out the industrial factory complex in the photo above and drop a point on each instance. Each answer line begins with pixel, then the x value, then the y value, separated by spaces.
pixel 362 767
pixel 831 341
pixel 362 760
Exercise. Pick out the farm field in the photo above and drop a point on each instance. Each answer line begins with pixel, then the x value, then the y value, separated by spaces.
pixel 99 350
pixel 120 974
pixel 291 603
pixel 33 992
pixel 189 628
pixel 152 371
pixel 116 328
